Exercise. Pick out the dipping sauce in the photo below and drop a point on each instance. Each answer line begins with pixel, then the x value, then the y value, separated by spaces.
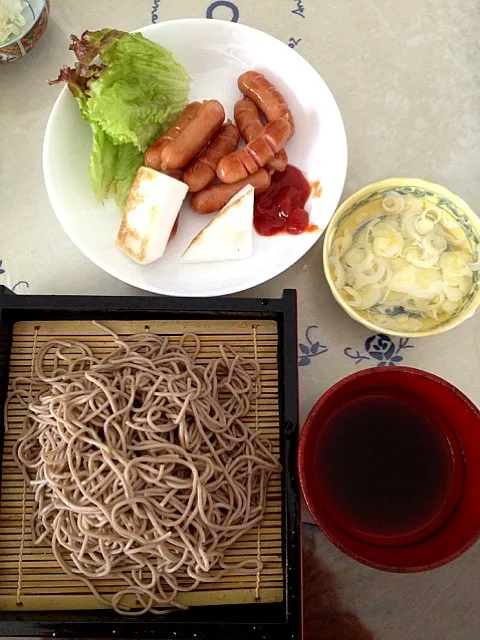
pixel 384 467
pixel 281 208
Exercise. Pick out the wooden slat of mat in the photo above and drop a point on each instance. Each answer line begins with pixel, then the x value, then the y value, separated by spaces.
pixel 246 595
pixel 206 328
pixel 44 585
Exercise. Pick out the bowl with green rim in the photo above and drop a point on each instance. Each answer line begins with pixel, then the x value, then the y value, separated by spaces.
pixel 364 205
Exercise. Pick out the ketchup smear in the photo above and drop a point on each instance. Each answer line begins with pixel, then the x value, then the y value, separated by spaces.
pixel 281 208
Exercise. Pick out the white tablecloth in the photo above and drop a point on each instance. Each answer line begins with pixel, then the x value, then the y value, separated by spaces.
pixel 406 76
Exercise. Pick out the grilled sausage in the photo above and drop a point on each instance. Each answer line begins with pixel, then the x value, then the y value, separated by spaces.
pixel 204 125
pixel 279 161
pixel 216 196
pixel 202 171
pixel 153 153
pixel 247 119
pixel 255 154
pixel 266 96
pixel 249 123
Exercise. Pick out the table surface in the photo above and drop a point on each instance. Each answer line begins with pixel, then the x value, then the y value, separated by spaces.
pixel 406 76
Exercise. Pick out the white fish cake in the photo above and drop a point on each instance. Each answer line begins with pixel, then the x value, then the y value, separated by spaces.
pixel 229 236
pixel 150 214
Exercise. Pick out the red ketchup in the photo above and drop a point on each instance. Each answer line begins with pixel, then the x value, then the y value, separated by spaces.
pixel 281 208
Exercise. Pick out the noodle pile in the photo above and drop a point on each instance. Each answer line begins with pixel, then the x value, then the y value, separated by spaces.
pixel 142 468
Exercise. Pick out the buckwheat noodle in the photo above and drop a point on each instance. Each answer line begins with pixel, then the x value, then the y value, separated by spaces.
pixel 141 466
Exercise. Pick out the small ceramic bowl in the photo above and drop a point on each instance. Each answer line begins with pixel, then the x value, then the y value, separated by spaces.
pixel 448 526
pixel 36 15
pixel 438 196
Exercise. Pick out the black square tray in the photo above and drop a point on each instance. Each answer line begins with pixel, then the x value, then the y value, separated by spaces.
pixel 272 621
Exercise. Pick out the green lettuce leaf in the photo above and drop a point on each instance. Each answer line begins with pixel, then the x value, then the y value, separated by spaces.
pixel 112 167
pixel 129 90
pixel 140 91
pixel 103 162
pixel 129 161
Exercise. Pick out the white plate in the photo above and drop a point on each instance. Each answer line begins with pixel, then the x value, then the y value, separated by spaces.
pixel 215 53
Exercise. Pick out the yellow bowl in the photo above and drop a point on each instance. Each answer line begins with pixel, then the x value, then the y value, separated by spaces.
pixel 438 196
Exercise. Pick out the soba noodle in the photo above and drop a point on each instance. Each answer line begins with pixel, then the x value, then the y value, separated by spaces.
pixel 142 468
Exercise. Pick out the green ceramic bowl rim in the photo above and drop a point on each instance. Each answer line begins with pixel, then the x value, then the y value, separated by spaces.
pixel 28 29
pixel 368 192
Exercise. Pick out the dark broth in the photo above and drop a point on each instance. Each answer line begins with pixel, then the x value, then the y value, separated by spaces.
pixel 384 467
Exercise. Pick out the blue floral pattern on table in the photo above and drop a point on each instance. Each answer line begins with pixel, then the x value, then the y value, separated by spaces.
pixel 155 6
pixel 382 349
pixel 310 348
pixel 210 13
pixel 23 283
pixel 293 42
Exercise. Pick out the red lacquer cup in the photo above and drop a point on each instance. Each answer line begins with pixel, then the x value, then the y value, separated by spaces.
pixel 453 524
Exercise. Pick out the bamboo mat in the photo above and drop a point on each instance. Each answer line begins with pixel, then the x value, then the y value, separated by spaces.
pixel 30 578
